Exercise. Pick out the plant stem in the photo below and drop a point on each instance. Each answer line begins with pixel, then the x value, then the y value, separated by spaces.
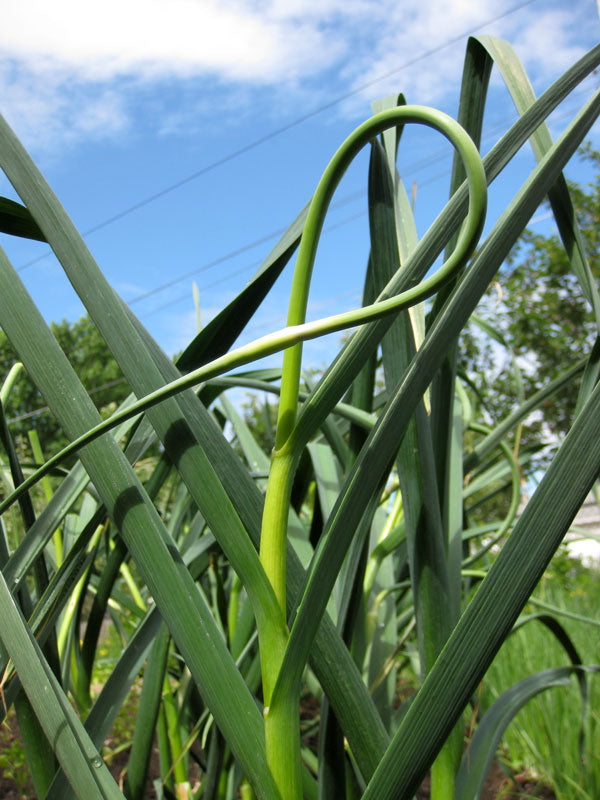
pixel 281 722
pixel 281 719
pixel 282 739
pixel 274 524
pixel 38 455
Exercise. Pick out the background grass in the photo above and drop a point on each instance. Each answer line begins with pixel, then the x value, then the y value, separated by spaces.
pixel 543 738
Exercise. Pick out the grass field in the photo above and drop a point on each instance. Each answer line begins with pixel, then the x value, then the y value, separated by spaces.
pixel 544 737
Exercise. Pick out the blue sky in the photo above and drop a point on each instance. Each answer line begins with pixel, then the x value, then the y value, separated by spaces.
pixel 119 101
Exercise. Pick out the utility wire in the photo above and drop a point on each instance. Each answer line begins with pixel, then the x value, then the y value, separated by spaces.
pixel 243 249
pixel 43 409
pixel 417 167
pixel 433 158
pixel 236 272
pixel 261 325
pixel 283 129
pixel 186 296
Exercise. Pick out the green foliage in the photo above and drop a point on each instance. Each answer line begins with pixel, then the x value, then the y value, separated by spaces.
pixel 13 761
pixel 94 365
pixel 545 735
pixel 537 305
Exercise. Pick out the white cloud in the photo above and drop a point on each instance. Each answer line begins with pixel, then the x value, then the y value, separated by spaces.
pixel 47 108
pixel 70 69
pixel 547 40
pixel 152 38
pixel 555 27
pixel 73 69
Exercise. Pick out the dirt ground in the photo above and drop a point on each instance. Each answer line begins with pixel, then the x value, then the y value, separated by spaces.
pixel 18 787
pixel 500 787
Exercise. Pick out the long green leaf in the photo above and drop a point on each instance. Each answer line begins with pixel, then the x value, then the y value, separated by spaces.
pixel 17 220
pixel 85 769
pixel 446 417
pixel 481 750
pixel 415 461
pixel 520 88
pixel 156 555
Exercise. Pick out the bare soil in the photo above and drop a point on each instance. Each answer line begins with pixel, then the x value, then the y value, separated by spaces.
pixel 499 786
pixel 19 787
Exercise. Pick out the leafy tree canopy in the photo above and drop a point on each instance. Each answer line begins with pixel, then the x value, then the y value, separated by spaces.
pixel 538 308
pixel 92 361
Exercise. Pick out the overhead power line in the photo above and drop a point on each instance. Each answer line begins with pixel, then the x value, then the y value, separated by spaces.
pixel 283 129
pixel 243 249
pixel 43 409
pixel 233 274
pixel 428 161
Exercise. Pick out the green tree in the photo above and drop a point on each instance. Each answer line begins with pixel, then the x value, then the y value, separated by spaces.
pixel 95 366
pixel 539 309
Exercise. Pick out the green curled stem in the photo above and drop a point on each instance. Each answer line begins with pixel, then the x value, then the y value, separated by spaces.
pixel 272 547
pixel 280 732
pixel 280 719
pixel 467 239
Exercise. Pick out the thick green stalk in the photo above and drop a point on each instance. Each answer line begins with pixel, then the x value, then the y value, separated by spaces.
pixel 281 718
pixel 275 519
pixel 282 737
